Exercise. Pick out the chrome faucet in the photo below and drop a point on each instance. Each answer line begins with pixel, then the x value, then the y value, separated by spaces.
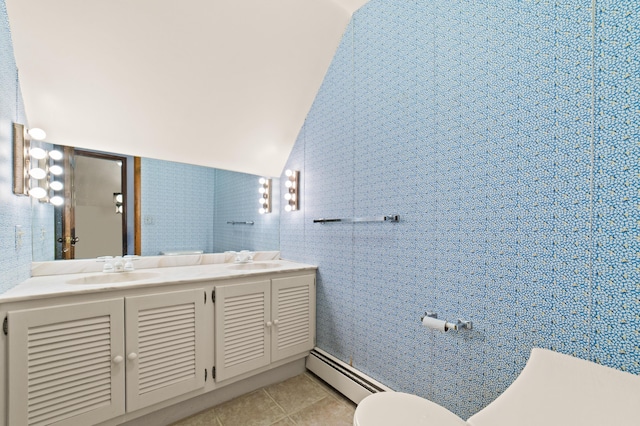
pixel 118 263
pixel 243 256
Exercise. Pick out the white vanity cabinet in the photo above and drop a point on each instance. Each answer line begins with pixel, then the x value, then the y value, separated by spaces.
pixel 84 363
pixel 164 341
pixel 97 349
pixel 262 322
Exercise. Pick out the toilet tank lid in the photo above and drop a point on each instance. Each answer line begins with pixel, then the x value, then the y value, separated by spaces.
pixel 178 252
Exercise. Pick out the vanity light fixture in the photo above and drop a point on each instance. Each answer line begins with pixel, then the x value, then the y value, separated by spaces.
pixel 291 196
pixel 118 201
pixel 55 155
pixel 265 195
pixel 56 200
pixel 34 167
pixel 37 134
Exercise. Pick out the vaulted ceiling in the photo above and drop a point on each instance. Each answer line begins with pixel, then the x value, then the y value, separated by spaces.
pixel 220 83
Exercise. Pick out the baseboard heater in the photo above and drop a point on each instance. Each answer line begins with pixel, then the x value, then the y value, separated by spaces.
pixel 350 382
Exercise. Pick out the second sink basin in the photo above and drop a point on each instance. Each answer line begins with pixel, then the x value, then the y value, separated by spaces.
pixel 253 266
pixel 113 277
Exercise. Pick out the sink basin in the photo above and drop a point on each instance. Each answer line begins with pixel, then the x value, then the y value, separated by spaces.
pixel 253 266
pixel 114 277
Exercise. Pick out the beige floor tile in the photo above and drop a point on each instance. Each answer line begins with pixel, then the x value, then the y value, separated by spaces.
pixel 205 418
pixel 327 411
pixel 329 389
pixel 284 422
pixel 296 393
pixel 253 409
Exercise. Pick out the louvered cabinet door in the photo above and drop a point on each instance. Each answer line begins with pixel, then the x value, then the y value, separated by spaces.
pixel 293 316
pixel 242 323
pixel 66 364
pixel 164 346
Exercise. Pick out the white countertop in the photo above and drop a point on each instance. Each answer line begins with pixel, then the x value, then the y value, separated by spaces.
pixel 62 284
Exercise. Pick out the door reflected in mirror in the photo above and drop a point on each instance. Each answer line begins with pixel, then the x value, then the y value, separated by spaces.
pixel 93 219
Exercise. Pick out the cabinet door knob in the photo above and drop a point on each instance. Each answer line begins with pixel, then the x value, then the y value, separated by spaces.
pixel 117 359
pixel 269 324
pixel 275 322
pixel 132 356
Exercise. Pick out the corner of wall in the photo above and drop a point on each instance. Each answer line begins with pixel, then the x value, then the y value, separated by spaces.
pixel 15 211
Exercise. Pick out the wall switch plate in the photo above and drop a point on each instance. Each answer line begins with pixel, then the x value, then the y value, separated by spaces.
pixel 18 236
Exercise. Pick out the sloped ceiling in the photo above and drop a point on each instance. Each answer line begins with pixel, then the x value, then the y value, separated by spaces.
pixel 220 83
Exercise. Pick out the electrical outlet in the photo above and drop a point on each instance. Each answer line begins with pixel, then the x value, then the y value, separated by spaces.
pixel 18 234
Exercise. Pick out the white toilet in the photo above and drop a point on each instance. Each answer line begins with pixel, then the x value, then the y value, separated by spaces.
pixel 397 408
pixel 552 390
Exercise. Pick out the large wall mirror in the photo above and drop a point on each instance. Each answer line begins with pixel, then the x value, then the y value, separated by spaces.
pixel 182 207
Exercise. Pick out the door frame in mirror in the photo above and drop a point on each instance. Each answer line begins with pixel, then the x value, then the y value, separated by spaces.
pixel 68 236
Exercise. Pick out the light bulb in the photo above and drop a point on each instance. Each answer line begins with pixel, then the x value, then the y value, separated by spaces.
pixel 119 198
pixel 262 181
pixel 287 196
pixel 288 172
pixel 261 211
pixel 55 155
pixel 55 170
pixel 288 184
pixel 287 208
pixel 37 173
pixel 261 190
pixel 37 134
pixel 57 200
pixel 37 153
pixel 56 185
pixel 38 192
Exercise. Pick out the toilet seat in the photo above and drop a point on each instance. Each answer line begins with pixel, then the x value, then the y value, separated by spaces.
pixel 398 408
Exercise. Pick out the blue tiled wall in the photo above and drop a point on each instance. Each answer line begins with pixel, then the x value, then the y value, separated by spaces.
pixel 15 264
pixel 506 136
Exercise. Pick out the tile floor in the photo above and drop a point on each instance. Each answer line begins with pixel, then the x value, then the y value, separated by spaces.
pixel 301 400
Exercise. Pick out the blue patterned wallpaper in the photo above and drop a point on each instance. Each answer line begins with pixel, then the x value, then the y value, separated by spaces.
pixel 176 207
pixel 15 263
pixel 506 136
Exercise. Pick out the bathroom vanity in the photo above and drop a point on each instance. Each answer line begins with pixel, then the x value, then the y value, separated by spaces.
pixel 96 348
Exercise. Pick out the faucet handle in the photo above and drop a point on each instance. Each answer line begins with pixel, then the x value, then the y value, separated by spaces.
pixel 108 266
pixel 128 262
